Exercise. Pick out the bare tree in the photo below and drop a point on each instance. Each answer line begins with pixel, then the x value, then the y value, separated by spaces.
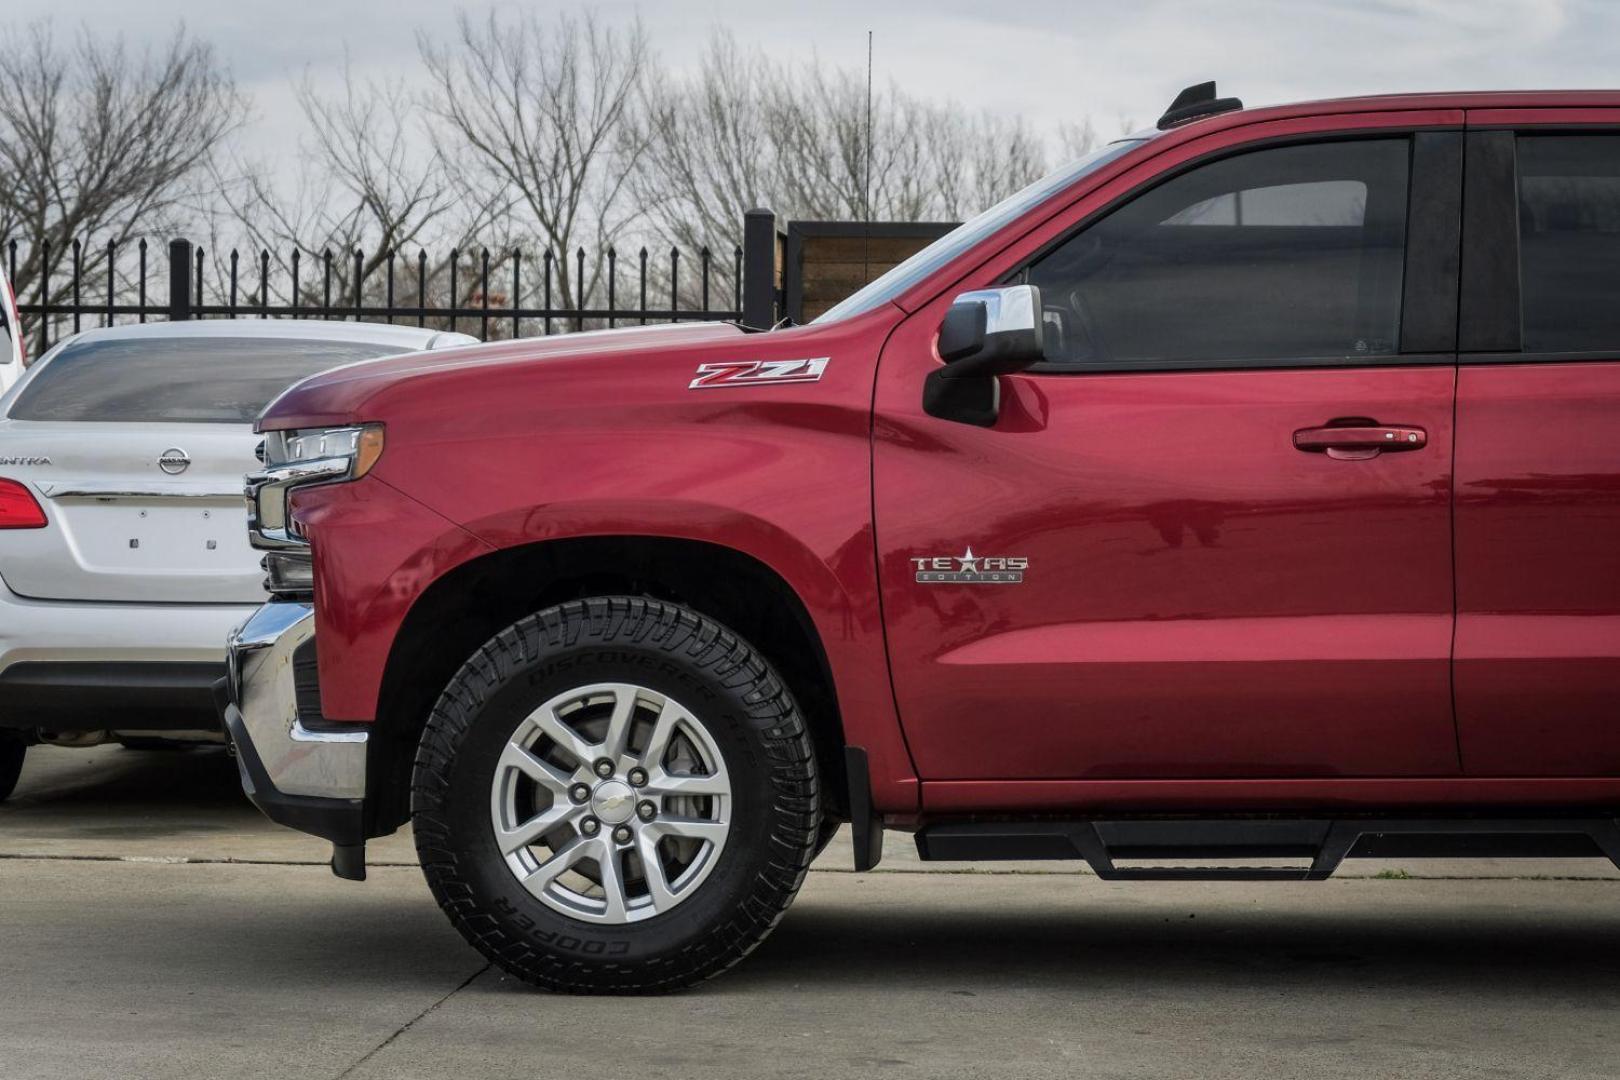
pixel 536 112
pixel 100 145
pixel 745 131
pixel 705 141
pixel 373 192
pixel 554 137
pixel 976 160
pixel 1077 138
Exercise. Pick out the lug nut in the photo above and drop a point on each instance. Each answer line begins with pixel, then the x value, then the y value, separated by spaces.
pixel 647 811
pixel 638 777
pixel 589 826
pixel 579 793
pixel 622 834
pixel 604 768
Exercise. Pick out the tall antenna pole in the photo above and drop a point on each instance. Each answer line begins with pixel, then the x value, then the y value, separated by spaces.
pixel 866 243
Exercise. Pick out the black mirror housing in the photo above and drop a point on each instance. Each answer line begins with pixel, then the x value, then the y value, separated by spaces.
pixel 986 333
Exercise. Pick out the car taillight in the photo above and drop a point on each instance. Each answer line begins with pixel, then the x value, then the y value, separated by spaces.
pixel 18 507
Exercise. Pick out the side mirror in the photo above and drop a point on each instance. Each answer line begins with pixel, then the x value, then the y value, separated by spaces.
pixel 985 333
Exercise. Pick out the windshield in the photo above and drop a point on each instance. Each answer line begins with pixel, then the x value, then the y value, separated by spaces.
pixel 212 380
pixel 964 236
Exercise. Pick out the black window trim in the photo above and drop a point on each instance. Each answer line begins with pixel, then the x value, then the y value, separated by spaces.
pixel 1437 189
pixel 1478 291
pixel 1489 315
pixel 1429 281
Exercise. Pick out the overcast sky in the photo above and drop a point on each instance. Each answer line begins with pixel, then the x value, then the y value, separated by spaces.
pixel 1049 60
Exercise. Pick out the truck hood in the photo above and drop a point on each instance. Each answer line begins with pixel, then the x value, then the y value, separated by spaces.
pixel 339 396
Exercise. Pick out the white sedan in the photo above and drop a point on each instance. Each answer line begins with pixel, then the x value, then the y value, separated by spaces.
pixel 124 560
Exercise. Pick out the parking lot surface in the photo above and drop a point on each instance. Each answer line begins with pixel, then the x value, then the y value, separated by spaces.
pixel 153 925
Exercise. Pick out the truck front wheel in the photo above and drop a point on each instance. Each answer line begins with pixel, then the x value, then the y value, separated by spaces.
pixel 615 795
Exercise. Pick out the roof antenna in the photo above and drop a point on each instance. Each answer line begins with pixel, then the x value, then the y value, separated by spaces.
pixel 1197 100
pixel 866 242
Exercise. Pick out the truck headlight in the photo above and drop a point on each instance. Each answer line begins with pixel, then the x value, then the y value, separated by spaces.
pixel 298 458
pixel 360 446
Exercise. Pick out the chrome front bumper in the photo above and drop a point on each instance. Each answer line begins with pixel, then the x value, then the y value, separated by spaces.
pixel 310 780
pixel 259 661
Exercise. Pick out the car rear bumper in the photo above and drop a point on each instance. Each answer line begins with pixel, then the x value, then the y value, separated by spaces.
pixel 83 666
pixel 299 770
pixel 144 696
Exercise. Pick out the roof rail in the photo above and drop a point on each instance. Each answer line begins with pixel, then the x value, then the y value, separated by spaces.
pixel 1195 101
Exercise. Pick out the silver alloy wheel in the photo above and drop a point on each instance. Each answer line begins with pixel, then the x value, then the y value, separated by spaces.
pixel 655 811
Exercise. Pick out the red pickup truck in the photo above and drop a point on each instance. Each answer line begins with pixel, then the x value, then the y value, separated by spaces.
pixel 1243 497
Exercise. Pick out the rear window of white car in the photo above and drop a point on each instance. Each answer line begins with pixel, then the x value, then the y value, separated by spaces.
pixel 178 380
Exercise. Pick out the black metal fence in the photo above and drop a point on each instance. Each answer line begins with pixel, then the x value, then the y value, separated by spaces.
pixel 393 289
pixel 782 270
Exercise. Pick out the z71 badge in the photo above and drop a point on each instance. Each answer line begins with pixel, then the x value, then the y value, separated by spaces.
pixel 971 569
pixel 758 373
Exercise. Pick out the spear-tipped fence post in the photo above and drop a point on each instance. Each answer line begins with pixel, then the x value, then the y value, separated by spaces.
pixel 517 292
pixel 78 272
pixel 112 285
pixel 483 287
pixel 579 287
pixel 674 285
pixel 326 284
pixel 704 258
pixel 44 296
pixel 455 293
pixel 643 286
pixel 421 287
pixel 548 261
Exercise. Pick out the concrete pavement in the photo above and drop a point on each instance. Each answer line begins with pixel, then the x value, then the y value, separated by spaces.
pixel 251 960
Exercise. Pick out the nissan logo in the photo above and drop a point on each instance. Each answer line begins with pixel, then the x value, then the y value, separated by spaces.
pixel 174 461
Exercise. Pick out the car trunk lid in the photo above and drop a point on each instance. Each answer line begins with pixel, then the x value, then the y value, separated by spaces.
pixel 140 512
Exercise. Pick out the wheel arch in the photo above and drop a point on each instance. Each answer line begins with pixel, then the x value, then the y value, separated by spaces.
pixel 472 602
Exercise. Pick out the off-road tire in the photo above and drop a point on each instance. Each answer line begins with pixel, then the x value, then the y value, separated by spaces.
pixel 739 699
pixel 12 751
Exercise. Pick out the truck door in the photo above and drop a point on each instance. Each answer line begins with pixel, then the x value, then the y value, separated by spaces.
pixel 1538 446
pixel 1175 555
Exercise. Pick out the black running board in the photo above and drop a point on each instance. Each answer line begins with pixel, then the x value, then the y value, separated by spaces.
pixel 1325 842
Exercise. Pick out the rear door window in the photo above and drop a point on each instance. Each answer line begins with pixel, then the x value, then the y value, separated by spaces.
pixel 178 380
pixel 1569 242
pixel 1279 255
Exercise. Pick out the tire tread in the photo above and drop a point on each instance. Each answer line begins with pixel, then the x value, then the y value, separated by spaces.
pixel 707 646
